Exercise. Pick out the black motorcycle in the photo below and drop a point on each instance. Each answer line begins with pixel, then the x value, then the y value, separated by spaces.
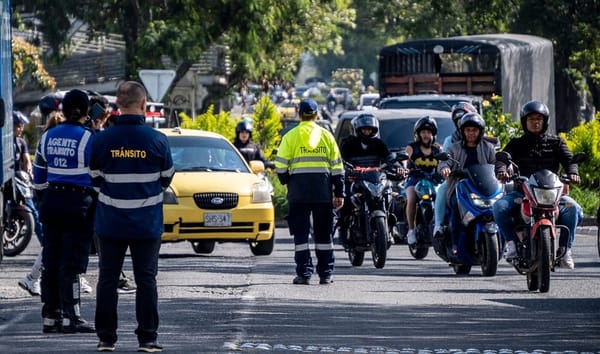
pixel 370 219
pixel 18 217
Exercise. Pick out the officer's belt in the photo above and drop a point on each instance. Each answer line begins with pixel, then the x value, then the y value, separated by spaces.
pixel 70 188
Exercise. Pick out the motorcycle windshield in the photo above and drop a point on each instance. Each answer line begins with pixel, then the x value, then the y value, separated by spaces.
pixel 483 178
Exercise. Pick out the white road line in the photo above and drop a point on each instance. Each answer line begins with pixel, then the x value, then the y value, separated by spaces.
pixel 12 321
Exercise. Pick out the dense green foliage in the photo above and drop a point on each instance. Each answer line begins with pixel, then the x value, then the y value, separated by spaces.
pixel 267 125
pixel 499 124
pixel 220 123
pixel 586 138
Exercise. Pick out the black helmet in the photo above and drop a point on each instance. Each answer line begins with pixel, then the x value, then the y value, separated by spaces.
pixel 425 123
pixel 534 107
pixel 472 120
pixel 365 120
pixel 19 118
pixel 459 110
pixel 243 126
pixel 50 103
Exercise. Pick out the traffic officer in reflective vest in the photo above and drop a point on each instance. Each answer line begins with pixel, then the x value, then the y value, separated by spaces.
pixel 308 161
pixel 60 172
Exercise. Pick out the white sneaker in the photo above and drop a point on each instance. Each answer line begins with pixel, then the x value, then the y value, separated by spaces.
pixel 510 251
pixel 84 285
pixel 31 285
pixel 411 237
pixel 567 260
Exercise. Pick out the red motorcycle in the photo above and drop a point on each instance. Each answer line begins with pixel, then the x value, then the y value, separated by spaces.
pixel 535 226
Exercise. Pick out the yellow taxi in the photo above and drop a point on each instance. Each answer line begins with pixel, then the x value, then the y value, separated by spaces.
pixel 215 196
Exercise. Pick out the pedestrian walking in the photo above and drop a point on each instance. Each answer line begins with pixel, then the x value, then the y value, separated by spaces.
pixel 61 174
pixel 130 166
pixel 309 163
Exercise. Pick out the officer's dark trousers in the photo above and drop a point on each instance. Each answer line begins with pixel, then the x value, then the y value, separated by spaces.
pixel 144 258
pixel 299 224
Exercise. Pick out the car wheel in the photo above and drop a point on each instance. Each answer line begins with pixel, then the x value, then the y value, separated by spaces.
pixel 263 248
pixel 203 247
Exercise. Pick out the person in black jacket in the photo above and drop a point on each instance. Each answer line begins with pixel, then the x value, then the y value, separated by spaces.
pixel 362 149
pixel 243 142
pixel 533 151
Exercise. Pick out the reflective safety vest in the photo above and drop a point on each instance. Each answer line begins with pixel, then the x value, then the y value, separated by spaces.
pixel 309 162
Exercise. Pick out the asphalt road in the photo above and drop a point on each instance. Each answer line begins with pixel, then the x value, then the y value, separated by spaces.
pixel 231 301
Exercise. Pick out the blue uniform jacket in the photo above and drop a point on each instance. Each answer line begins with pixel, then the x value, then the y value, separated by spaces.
pixel 130 166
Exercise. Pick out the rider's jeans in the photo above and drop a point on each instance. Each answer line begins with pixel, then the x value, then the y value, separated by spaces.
pixel 570 215
pixel 36 217
pixel 440 203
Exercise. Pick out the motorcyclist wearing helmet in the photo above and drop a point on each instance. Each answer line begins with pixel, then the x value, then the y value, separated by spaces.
pixel 535 150
pixel 362 149
pixel 420 153
pixel 243 142
pixel 470 150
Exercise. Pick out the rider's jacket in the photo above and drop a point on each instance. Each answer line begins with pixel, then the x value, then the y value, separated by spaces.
pixel 536 152
pixel 250 151
pixel 373 153
pixel 418 159
pixel 309 162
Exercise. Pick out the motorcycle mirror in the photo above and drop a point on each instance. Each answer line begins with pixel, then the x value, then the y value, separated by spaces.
pixel 442 156
pixel 503 157
pixel 401 156
pixel 579 157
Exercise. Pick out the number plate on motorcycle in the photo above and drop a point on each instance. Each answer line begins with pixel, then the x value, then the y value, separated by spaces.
pixel 217 219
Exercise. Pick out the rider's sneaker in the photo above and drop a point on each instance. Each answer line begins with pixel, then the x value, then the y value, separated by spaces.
pixel 31 285
pixel 510 251
pixel 85 285
pixel 438 231
pixel 411 237
pixel 567 260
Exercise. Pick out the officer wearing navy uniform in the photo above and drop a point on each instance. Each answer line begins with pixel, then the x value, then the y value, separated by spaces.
pixel 61 172
pixel 309 163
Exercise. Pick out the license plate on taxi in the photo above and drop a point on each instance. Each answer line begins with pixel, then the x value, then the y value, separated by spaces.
pixel 217 219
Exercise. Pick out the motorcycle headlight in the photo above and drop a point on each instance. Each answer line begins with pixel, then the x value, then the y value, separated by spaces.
pixel 261 192
pixel 169 196
pixel 546 196
pixel 484 203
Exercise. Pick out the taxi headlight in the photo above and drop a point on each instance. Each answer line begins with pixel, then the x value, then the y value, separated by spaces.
pixel 169 196
pixel 261 192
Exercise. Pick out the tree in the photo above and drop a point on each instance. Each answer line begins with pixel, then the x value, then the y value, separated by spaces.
pixel 28 69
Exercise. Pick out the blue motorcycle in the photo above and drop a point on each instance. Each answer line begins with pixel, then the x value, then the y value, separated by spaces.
pixel 476 191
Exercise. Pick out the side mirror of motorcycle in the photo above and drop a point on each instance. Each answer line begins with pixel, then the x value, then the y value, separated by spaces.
pixel 442 156
pixel 579 157
pixel 503 157
pixel 401 156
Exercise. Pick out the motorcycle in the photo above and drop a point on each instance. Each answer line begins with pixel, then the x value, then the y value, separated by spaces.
pixel 535 226
pixel 370 219
pixel 476 191
pixel 18 217
pixel 425 190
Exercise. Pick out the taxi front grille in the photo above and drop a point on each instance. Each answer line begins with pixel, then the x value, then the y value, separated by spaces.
pixel 216 200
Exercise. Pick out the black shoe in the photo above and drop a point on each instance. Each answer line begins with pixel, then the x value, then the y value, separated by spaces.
pixel 326 280
pixel 105 347
pixel 52 325
pixel 125 286
pixel 150 347
pixel 301 280
pixel 77 325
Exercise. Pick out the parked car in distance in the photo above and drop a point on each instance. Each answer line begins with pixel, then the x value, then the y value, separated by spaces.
pixel 288 124
pixel 288 108
pixel 368 101
pixel 429 101
pixel 215 196
pixel 396 125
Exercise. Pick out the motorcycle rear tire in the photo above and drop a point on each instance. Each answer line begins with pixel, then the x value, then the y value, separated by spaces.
pixel 17 233
pixel 461 269
pixel 418 250
pixel 544 261
pixel 489 261
pixel 379 244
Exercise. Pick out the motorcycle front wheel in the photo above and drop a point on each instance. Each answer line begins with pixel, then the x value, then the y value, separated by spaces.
pixel 17 232
pixel 379 244
pixel 419 250
pixel 489 261
pixel 544 258
pixel 355 257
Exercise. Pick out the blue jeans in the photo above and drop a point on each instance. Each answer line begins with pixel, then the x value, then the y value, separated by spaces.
pixel 36 217
pixel 440 203
pixel 144 258
pixel 299 224
pixel 569 215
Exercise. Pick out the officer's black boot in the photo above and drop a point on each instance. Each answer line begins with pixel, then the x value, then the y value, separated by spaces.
pixel 72 321
pixel 52 320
